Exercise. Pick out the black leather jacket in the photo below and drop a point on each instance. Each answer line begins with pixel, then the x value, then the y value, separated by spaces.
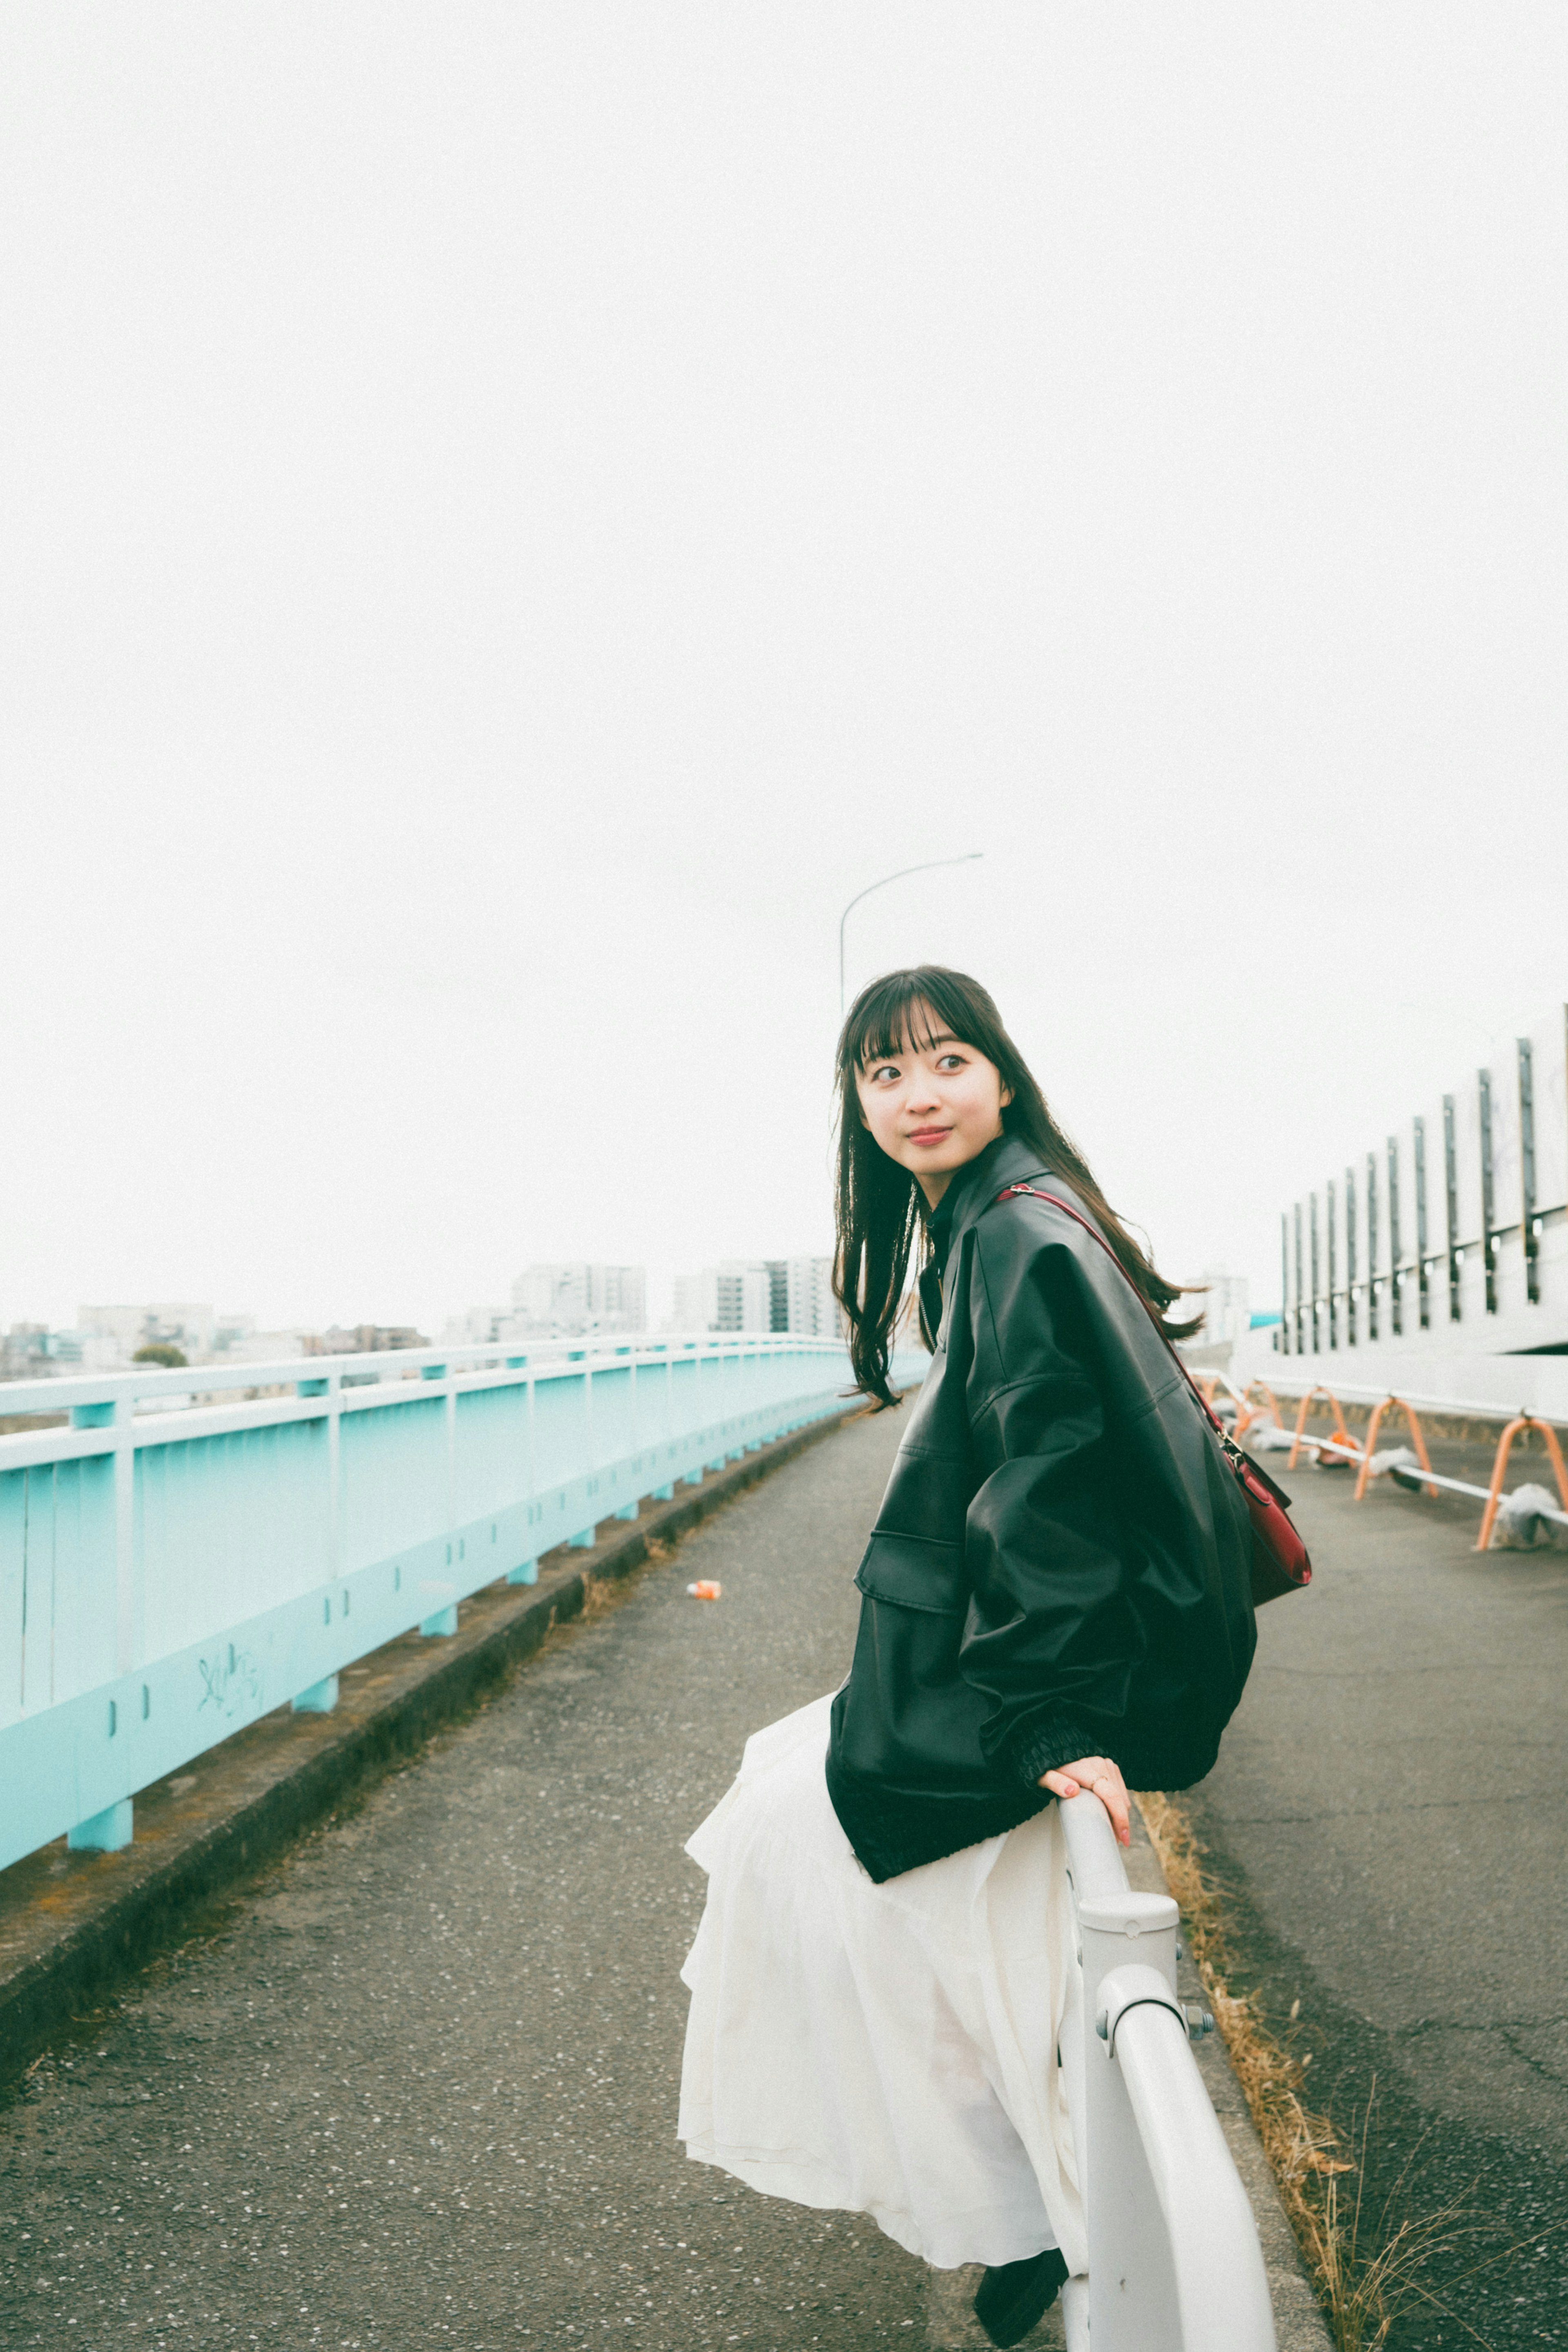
pixel 1060 1564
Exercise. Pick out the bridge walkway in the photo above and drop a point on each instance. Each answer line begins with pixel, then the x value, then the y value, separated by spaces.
pixel 417 2086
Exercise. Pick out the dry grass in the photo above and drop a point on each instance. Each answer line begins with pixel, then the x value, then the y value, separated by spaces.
pixel 601 1594
pixel 1366 2270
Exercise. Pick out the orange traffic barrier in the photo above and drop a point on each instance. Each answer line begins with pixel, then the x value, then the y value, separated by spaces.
pixel 1372 1427
pixel 1525 1420
pixel 1342 1436
pixel 1249 1411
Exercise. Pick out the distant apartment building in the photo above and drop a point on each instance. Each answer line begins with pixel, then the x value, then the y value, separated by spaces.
pixel 777 1294
pixel 576 1295
pixel 812 1308
pixel 743 1296
pixel 552 1297
pixel 618 1297
pixel 108 1339
pixel 735 1296
pixel 1227 1303
pixel 477 1327
pixel 33 1351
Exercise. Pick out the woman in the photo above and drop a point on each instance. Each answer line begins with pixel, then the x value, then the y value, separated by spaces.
pixel 1054 1597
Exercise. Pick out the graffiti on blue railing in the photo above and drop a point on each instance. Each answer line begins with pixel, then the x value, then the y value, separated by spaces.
pixel 232 1680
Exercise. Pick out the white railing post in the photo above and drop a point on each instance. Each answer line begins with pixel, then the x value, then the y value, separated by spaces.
pixel 128 1584
pixel 526 1571
pixel 1132 2282
pixel 1174 2265
pixel 1222 2302
pixel 320 1698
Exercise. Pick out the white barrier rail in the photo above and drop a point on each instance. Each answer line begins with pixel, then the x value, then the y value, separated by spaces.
pixel 1174 2265
pixel 1287 1383
pixel 1514 1514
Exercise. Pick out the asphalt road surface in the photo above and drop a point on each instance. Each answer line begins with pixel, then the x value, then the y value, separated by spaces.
pixel 417 2087
pixel 1388 1815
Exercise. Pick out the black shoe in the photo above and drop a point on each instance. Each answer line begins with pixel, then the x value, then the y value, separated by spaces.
pixel 1013 2297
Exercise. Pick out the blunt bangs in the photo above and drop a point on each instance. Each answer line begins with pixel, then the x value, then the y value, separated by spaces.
pixel 904 1012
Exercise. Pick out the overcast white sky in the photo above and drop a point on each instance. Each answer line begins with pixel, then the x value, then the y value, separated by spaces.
pixel 512 514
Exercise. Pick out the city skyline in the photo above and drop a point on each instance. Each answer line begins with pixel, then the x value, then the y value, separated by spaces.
pixel 548 1298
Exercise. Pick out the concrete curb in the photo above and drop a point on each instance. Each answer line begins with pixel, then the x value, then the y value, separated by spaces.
pixel 73 1924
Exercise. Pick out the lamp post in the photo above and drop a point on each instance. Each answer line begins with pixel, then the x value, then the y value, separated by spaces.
pixel 929 867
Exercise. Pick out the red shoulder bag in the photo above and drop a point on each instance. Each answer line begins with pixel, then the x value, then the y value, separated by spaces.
pixel 1280 1562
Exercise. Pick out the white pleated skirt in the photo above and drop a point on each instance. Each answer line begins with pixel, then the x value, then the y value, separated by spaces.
pixel 886 2050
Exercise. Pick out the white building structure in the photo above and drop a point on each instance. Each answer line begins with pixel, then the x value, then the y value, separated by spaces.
pixel 812 1308
pixel 743 1296
pixel 775 1294
pixel 575 1294
pixel 696 1307
pixel 1436 1260
pixel 31 1352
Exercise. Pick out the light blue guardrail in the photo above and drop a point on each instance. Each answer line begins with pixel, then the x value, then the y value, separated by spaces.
pixel 173 1565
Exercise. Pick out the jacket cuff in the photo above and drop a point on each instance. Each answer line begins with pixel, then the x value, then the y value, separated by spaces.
pixel 1060 1739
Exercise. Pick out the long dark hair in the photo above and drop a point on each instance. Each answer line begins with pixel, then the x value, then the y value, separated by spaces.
pixel 880 1206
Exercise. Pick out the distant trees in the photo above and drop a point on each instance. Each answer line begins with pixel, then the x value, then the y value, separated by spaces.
pixel 160 1352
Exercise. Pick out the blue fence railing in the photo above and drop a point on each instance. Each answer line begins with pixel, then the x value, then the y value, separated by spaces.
pixel 174 1564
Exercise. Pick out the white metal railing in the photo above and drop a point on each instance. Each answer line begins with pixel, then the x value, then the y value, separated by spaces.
pixel 1293 1384
pixel 1174 2265
pixel 1513 1513
pixel 153 1389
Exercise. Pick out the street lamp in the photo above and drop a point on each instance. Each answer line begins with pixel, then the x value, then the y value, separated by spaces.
pixel 930 868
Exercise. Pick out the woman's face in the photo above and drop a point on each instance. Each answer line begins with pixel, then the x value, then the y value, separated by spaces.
pixel 932 1106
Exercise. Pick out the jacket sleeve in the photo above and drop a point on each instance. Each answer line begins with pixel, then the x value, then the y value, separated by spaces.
pixel 1053 1633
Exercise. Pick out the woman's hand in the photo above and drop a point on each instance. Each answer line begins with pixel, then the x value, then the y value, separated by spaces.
pixel 1096 1772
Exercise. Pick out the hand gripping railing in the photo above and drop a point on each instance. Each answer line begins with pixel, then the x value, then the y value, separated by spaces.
pixel 1174 2265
